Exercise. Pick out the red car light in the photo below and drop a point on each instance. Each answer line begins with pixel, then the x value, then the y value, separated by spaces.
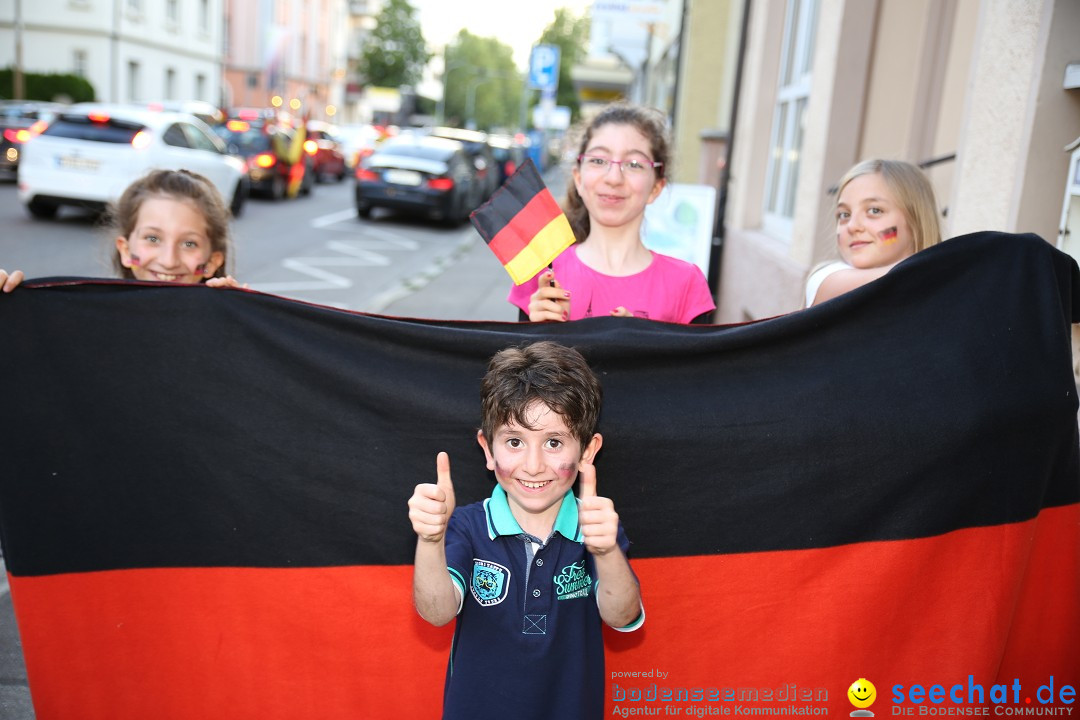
pixel 441 184
pixel 265 160
pixel 311 147
pixel 238 126
pixel 509 167
pixel 13 136
pixel 366 175
pixel 98 117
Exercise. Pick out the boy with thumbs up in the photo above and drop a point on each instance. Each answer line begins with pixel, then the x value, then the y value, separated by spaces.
pixel 531 572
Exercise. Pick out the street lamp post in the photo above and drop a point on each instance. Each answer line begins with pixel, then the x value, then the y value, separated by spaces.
pixel 470 97
pixel 440 111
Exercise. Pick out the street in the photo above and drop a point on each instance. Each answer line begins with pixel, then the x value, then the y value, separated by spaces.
pixel 313 249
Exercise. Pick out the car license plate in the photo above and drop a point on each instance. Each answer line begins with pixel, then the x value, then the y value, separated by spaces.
pixel 74 162
pixel 402 177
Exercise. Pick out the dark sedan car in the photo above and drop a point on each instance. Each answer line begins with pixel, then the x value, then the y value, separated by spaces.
pixel 509 154
pixel 476 145
pixel 418 174
pixel 19 121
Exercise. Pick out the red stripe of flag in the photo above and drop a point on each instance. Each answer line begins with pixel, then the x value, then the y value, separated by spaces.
pixel 524 226
pixel 345 642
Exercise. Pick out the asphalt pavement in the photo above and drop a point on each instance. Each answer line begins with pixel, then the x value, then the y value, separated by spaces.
pixel 472 286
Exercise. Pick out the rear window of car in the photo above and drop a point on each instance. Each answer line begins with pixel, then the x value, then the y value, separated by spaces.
pixel 79 127
pixel 247 142
pixel 408 149
pixel 16 113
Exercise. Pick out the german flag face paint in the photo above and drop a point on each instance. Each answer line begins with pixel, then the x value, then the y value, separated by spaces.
pixel 170 243
pixel 871 230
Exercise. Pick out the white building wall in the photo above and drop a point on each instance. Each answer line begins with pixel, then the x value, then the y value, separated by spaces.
pixel 53 30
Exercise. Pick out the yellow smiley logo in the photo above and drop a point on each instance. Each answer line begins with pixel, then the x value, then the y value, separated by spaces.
pixel 862 693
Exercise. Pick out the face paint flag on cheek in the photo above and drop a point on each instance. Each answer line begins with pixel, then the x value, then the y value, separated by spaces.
pixel 888 236
pixel 135 260
pixel 523 224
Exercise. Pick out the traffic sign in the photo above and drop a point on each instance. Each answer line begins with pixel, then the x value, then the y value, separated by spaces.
pixel 544 67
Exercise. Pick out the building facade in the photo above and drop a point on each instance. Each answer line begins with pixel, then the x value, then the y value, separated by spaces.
pixel 129 50
pixel 973 89
pixel 294 50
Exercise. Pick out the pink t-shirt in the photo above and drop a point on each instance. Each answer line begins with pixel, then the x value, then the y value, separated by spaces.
pixel 670 289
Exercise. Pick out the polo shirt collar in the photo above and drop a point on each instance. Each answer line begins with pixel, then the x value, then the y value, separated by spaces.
pixel 500 520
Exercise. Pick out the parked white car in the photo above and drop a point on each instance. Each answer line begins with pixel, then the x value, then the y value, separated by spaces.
pixel 90 153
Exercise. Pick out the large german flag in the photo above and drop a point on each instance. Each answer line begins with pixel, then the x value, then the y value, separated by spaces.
pixel 203 502
pixel 523 225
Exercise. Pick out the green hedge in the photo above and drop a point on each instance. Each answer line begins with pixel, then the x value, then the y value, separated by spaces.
pixel 47 86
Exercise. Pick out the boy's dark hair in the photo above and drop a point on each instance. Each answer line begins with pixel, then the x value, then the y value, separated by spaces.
pixel 554 374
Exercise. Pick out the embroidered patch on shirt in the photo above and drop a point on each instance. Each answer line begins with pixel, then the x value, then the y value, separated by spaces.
pixel 490 582
pixel 573 581
pixel 535 625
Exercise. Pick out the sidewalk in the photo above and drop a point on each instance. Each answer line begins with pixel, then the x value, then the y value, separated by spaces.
pixel 471 284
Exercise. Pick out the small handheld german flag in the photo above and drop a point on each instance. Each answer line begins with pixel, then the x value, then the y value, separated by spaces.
pixel 523 225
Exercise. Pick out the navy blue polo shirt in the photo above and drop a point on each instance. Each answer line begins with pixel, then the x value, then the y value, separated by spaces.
pixel 528 640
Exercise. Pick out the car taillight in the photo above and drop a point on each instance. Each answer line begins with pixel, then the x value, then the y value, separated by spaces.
pixel 141 141
pixel 238 126
pixel 442 184
pixel 98 117
pixel 368 175
pixel 311 147
pixel 265 160
pixel 38 128
pixel 509 167
pixel 15 136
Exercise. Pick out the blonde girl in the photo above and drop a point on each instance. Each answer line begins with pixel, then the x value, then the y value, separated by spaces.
pixel 885 213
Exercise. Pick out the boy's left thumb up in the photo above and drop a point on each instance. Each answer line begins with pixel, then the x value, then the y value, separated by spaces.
pixel 442 467
pixel 586 479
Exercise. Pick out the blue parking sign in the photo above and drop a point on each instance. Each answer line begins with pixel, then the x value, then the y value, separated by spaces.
pixel 544 67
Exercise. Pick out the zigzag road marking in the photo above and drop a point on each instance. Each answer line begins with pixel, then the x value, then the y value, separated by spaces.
pixel 411 284
pixel 358 253
pixel 332 218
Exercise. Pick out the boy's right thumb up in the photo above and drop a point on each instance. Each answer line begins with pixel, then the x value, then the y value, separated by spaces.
pixel 442 467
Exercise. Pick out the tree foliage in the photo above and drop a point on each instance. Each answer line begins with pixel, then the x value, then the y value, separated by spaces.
pixel 484 68
pixel 571 34
pixel 394 53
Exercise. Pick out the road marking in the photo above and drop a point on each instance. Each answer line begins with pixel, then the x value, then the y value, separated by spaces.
pixel 332 218
pixel 411 284
pixel 354 253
